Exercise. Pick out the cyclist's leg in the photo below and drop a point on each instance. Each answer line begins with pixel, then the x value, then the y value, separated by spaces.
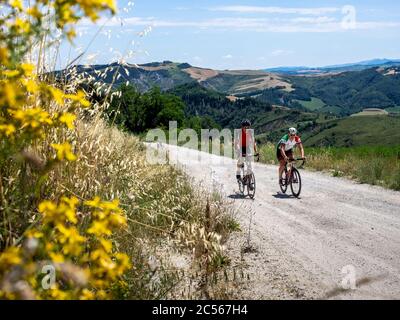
pixel 282 164
pixel 239 166
pixel 289 154
pixel 249 169
pixel 249 160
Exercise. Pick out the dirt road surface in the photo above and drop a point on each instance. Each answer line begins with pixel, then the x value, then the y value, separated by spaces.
pixel 338 234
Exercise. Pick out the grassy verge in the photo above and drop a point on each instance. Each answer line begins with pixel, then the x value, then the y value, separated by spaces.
pixel 175 233
pixel 77 197
pixel 372 165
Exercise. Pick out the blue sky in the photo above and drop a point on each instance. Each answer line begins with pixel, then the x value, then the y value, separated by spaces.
pixel 238 34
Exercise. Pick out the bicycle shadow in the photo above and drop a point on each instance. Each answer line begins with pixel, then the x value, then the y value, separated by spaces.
pixel 280 195
pixel 238 196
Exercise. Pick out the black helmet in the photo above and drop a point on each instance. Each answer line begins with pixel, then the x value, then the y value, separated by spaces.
pixel 246 123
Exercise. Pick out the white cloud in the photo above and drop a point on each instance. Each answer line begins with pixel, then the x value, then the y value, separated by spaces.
pixel 322 19
pixel 228 56
pixel 281 10
pixel 281 52
pixel 292 25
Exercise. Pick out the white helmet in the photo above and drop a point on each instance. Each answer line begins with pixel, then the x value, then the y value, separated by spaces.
pixel 292 131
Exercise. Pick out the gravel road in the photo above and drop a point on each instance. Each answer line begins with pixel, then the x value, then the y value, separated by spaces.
pixel 338 234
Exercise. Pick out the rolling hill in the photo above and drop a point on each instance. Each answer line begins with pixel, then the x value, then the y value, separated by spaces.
pixel 339 94
pixel 168 75
pixel 357 66
pixel 318 105
pixel 351 92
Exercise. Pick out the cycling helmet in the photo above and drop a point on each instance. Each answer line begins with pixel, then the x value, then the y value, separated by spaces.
pixel 292 131
pixel 246 123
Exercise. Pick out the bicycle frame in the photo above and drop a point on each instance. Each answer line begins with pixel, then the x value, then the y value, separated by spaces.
pixel 290 164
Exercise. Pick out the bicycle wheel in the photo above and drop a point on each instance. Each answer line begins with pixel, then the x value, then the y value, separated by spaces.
pixel 241 185
pixel 284 186
pixel 295 183
pixel 251 185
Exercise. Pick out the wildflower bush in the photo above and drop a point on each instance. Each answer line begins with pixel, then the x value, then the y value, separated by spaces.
pixel 82 257
pixel 62 171
pixel 66 233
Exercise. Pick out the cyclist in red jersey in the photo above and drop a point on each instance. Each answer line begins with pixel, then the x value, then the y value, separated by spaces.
pixel 243 146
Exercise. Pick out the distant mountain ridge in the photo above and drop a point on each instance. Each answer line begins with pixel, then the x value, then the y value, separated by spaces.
pixel 168 74
pixel 357 66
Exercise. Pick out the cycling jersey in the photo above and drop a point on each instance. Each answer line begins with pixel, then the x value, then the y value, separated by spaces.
pixel 289 144
pixel 245 137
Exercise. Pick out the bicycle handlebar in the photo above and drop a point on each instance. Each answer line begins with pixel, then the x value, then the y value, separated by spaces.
pixel 298 159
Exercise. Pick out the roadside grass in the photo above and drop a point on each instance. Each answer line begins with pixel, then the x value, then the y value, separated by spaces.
pixel 165 212
pixel 378 165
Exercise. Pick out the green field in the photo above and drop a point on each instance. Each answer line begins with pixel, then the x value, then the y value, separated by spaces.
pixel 358 131
pixel 313 105
pixel 393 109
pixel 378 112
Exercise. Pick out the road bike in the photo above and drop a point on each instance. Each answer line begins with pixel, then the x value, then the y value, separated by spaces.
pixel 247 180
pixel 292 177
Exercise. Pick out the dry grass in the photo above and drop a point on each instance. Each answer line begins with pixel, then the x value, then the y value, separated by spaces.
pixel 169 221
pixel 165 213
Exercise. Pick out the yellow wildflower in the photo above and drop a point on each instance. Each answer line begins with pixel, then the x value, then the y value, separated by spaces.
pixel 56 257
pixel 30 85
pixel 123 262
pixel 11 256
pixel 4 56
pixel 80 98
pixel 27 68
pixel 47 207
pixel 87 295
pixel 99 228
pixel 34 12
pixel 63 212
pixel 22 26
pixel 101 294
pixel 58 95
pixel 68 119
pixel 17 4
pixel 106 244
pixel 95 203
pixel 58 294
pixel 8 94
pixel 11 73
pixel 33 118
pixel 8 129
pixel 64 151
pixel 117 219
pixel 70 239
pixel 32 233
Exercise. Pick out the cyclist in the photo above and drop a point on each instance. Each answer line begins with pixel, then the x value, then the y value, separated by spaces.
pixel 243 145
pixel 284 150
